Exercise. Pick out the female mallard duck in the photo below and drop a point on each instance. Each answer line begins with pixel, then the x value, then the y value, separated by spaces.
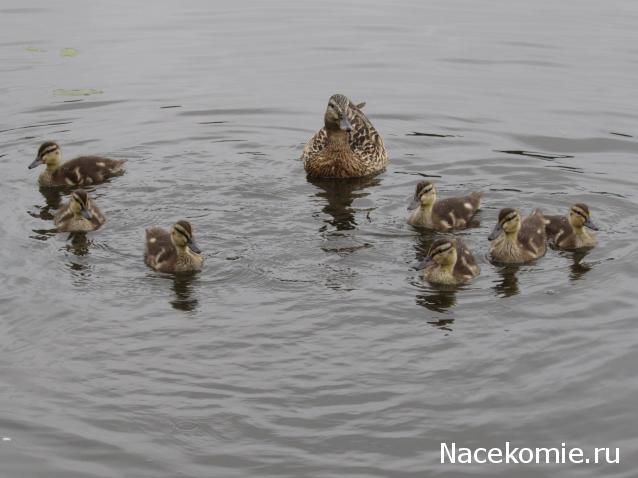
pixel 569 232
pixel 516 241
pixel 80 214
pixel 449 262
pixel 174 250
pixel 443 215
pixel 81 171
pixel 347 146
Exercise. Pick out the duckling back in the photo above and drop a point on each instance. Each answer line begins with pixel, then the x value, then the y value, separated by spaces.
pixel 159 251
pixel 83 171
pixel 532 236
pixel 455 213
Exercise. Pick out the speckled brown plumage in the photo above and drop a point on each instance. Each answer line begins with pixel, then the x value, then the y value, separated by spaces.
pixel 333 153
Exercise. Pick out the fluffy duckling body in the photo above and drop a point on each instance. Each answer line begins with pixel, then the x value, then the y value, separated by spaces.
pixel 348 146
pixel 81 171
pixel 569 233
pixel 444 214
pixel 516 241
pixel 449 262
pixel 174 250
pixel 80 214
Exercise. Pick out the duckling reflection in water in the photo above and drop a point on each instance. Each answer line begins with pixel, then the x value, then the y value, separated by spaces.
pixel 449 262
pixel 80 214
pixel 515 241
pixel 81 171
pixel 569 233
pixel 174 250
pixel 442 215
pixel 348 146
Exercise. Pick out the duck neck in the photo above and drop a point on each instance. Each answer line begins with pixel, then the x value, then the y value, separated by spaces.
pixel 338 140
pixel 423 213
pixel 511 237
pixel 581 232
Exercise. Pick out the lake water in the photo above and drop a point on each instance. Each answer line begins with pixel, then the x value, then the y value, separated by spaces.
pixel 308 347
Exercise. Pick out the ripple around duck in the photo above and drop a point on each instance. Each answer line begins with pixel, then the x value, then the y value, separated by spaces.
pixel 308 346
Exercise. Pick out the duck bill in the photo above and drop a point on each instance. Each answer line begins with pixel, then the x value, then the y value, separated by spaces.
pixel 344 124
pixel 423 264
pixel 497 231
pixel 86 214
pixel 589 224
pixel 414 204
pixel 36 162
pixel 192 245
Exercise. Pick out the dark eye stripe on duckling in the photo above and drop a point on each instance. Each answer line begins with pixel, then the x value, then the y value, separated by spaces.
pixel 49 150
pixel 82 199
pixel 182 231
pixel 442 248
pixel 508 218
pixel 580 212
pixel 423 188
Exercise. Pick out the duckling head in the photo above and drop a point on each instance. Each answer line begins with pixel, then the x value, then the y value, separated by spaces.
pixel 443 252
pixel 80 204
pixel 424 195
pixel 48 153
pixel 509 222
pixel 579 217
pixel 336 118
pixel 182 236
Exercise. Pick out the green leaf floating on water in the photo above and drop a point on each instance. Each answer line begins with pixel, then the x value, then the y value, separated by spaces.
pixel 78 92
pixel 33 49
pixel 68 52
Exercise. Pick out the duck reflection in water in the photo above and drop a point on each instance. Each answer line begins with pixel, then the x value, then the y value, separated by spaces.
pixel 438 299
pixel 53 199
pixel 340 195
pixel 578 268
pixel 507 286
pixel 183 287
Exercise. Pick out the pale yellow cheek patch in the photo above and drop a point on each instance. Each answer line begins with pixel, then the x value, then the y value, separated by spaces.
pixel 100 164
pixel 152 240
pixel 467 205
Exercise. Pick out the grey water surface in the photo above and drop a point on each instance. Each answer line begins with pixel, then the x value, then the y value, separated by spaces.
pixel 308 347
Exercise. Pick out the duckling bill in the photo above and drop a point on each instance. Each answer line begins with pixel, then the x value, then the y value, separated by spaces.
pixel 81 171
pixel 449 262
pixel 174 250
pixel 79 214
pixel 444 214
pixel 516 241
pixel 569 233
pixel 348 146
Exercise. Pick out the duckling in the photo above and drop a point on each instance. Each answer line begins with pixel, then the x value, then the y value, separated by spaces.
pixel 81 171
pixel 569 232
pixel 348 146
pixel 80 214
pixel 442 215
pixel 516 241
pixel 449 262
pixel 174 250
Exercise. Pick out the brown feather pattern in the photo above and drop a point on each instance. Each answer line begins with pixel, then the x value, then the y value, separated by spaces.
pixel 362 153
